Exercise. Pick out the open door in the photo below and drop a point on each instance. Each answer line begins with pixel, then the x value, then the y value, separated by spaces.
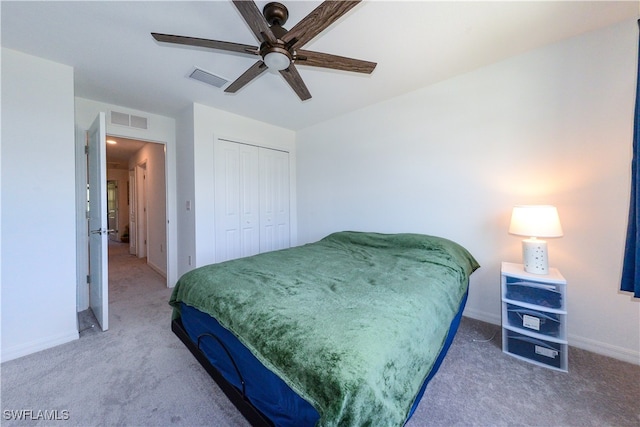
pixel 133 227
pixel 98 232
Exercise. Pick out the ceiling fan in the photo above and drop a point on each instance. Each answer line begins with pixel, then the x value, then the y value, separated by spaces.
pixel 280 49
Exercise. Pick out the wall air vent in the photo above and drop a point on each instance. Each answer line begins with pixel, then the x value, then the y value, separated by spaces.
pixel 208 78
pixel 130 120
pixel 121 119
pixel 138 122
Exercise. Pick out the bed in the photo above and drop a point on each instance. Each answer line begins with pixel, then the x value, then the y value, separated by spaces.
pixel 345 331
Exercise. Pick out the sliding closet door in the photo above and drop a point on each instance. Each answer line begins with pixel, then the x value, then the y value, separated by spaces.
pixel 236 200
pixel 274 200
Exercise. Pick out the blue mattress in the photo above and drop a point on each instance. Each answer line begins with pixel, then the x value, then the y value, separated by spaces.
pixel 264 389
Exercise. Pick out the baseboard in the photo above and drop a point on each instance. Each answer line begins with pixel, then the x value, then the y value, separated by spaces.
pixel 619 353
pixel 37 345
pixel 482 316
pixel 156 269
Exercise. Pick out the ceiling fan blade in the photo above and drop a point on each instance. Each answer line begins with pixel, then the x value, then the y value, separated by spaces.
pixel 212 44
pixel 315 22
pixel 335 62
pixel 255 20
pixel 294 79
pixel 254 71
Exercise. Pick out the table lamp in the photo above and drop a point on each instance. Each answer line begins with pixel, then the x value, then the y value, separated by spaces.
pixel 535 221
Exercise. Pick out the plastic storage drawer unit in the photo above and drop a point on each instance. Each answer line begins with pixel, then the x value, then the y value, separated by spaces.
pixel 546 352
pixel 534 320
pixel 542 294
pixel 534 316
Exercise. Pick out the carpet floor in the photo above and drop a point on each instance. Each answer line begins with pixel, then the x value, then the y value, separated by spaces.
pixel 139 374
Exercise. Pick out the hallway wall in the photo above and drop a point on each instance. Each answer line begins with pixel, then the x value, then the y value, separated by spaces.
pixel 154 157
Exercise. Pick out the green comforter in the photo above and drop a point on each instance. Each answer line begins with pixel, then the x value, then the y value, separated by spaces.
pixel 353 323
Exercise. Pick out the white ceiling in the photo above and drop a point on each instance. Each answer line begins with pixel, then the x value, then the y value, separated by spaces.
pixel 415 43
pixel 118 154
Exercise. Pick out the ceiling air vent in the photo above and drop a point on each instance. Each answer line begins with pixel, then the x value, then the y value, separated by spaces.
pixel 124 119
pixel 208 78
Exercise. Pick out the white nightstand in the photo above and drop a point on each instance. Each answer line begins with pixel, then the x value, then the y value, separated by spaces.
pixel 534 316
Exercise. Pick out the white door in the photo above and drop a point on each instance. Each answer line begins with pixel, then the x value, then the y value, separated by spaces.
pixel 141 210
pixel 236 200
pixel 274 200
pixel 98 233
pixel 133 229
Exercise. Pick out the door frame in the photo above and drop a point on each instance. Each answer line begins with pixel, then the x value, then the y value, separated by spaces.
pixel 82 225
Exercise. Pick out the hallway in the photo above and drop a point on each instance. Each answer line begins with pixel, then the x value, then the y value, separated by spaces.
pixel 130 279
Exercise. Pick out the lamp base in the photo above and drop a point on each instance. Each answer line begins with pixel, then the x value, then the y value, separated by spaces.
pixel 534 256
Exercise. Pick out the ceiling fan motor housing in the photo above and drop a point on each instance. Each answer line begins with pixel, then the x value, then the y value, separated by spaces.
pixel 275 13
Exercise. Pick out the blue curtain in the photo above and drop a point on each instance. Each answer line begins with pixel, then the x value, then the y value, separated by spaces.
pixel 631 266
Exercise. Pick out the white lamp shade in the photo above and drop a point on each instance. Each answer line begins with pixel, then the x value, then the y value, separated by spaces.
pixel 535 221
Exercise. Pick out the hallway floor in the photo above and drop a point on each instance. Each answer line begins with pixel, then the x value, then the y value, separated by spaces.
pixel 126 272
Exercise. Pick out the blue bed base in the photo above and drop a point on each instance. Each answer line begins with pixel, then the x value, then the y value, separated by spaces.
pixel 272 400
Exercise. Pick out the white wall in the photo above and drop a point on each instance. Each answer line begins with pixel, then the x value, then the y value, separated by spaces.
pixel 550 126
pixel 153 156
pixel 38 205
pixel 186 191
pixel 196 167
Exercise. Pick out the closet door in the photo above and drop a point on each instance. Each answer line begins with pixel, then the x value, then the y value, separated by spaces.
pixel 236 200
pixel 274 200
pixel 249 201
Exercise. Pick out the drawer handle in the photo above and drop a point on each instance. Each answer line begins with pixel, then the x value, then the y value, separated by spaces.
pixel 533 341
pixel 521 312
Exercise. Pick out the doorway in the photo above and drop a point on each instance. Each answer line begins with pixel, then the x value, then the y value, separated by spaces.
pixel 139 167
pixel 119 163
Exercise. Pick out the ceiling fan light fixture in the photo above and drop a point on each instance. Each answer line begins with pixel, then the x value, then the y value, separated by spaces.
pixel 277 60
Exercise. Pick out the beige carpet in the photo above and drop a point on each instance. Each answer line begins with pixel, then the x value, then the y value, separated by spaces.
pixel 139 374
